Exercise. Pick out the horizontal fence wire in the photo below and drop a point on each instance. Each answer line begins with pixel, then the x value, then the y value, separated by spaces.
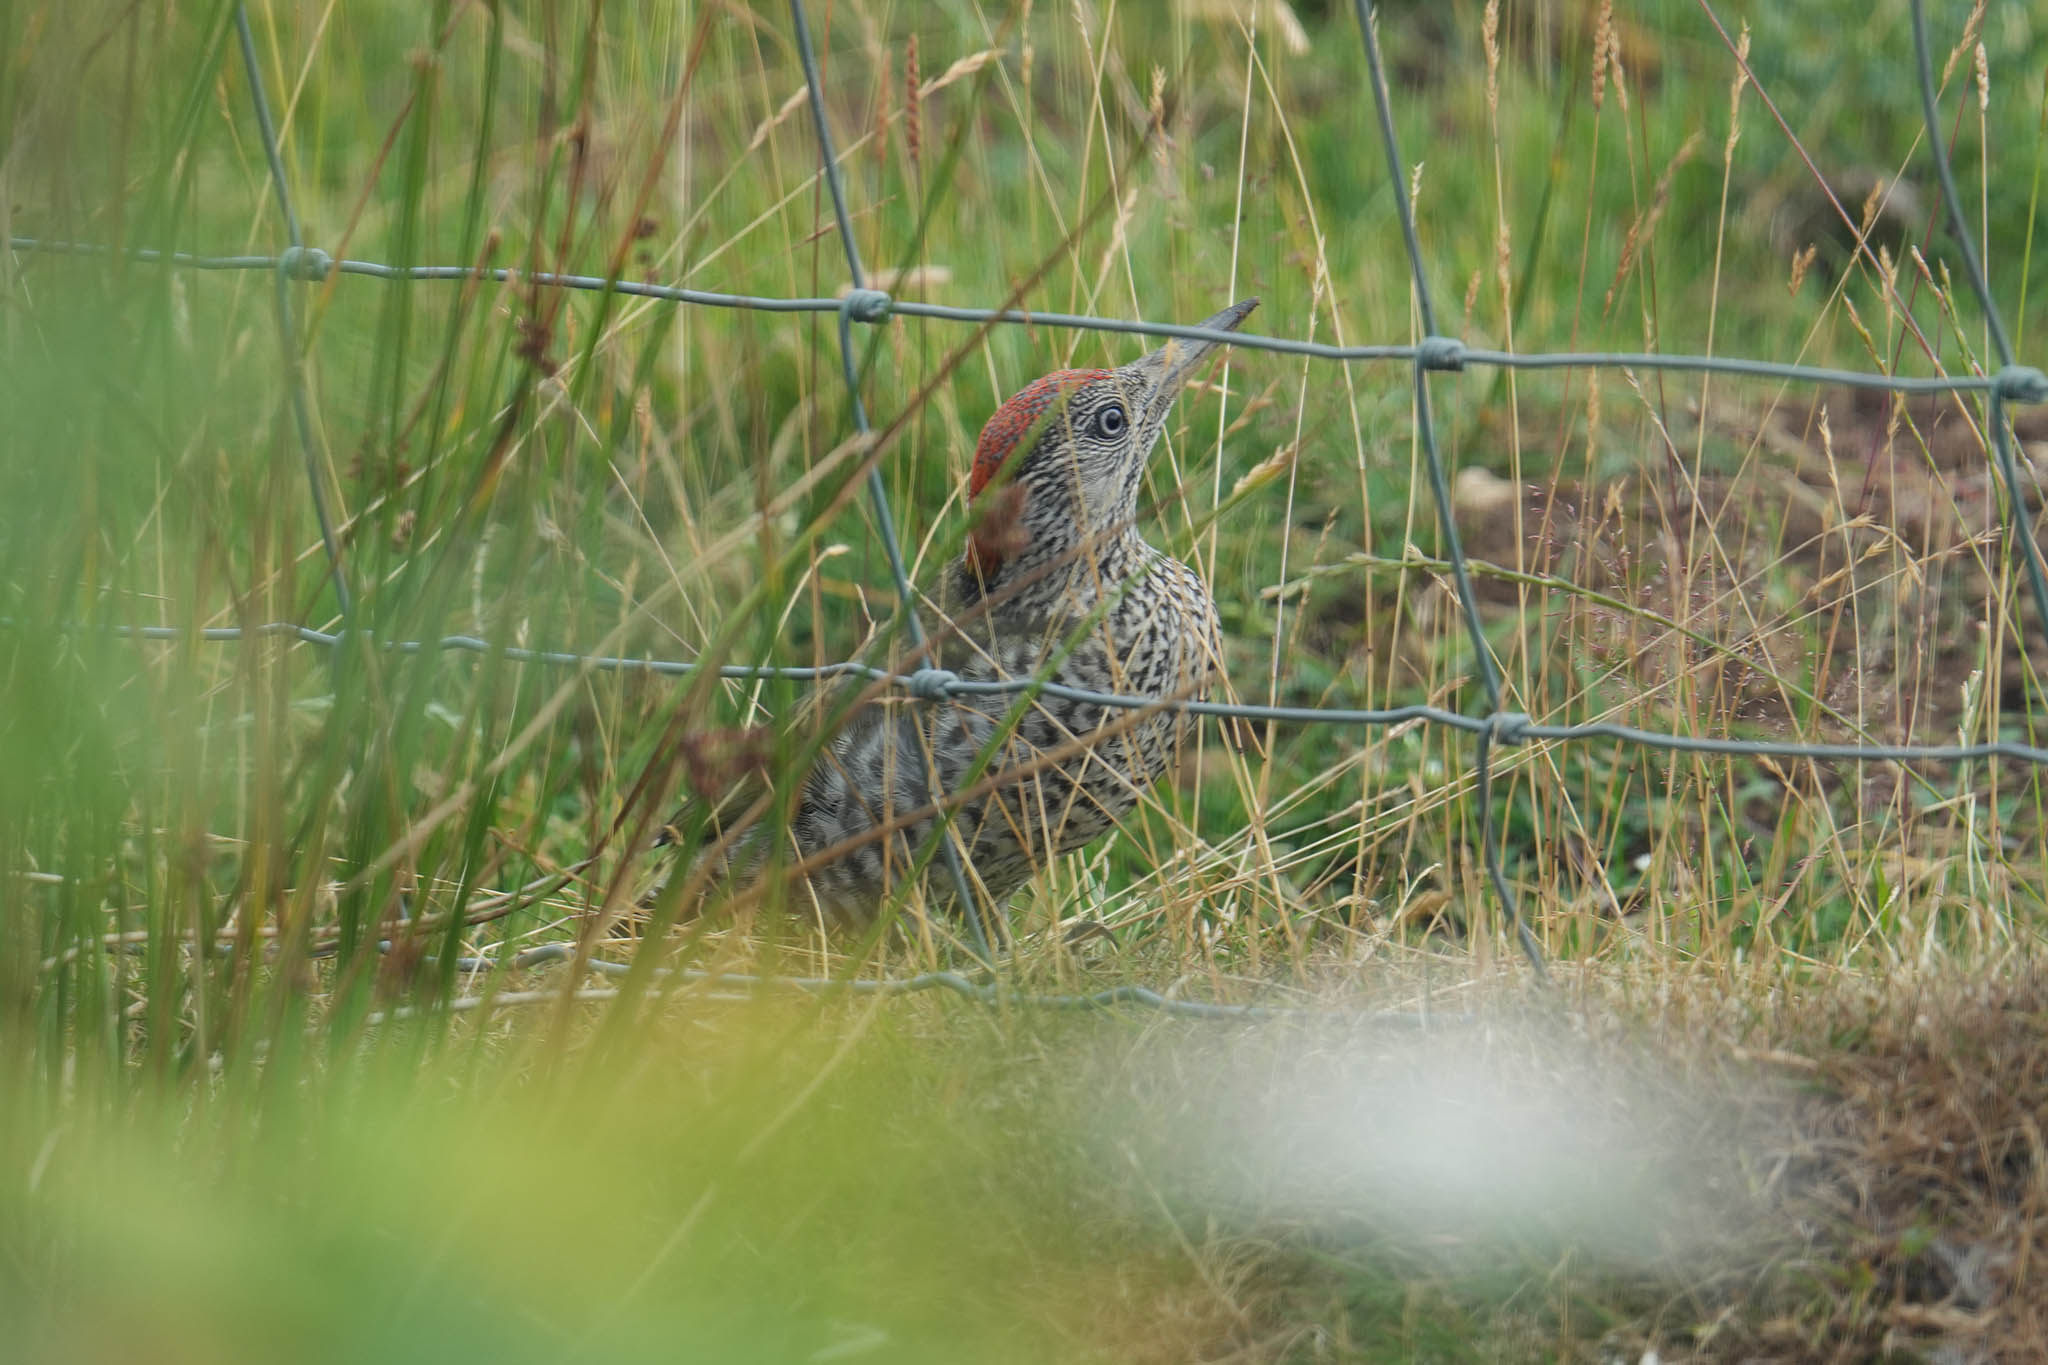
pixel 2016 383
pixel 1507 727
pixel 981 992
pixel 1433 353
pixel 737 986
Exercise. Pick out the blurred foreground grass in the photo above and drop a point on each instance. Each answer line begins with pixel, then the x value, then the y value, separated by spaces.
pixel 749 1186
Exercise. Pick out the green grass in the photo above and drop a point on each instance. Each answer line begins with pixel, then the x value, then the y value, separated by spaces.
pixel 568 471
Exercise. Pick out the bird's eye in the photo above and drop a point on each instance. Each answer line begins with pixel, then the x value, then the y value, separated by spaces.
pixel 1110 422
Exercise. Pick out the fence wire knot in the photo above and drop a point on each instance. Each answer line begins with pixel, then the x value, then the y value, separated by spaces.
pixel 1441 353
pixel 867 305
pixel 305 263
pixel 1508 727
pixel 932 684
pixel 2020 384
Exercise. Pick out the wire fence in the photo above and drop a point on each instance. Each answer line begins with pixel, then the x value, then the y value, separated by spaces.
pixel 1434 353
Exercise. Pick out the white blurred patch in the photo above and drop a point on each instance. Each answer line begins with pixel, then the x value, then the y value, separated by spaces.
pixel 1494 1136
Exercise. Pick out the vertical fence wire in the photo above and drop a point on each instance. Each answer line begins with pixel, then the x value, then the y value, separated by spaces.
pixel 2011 379
pixel 296 263
pixel 1436 352
pixel 872 306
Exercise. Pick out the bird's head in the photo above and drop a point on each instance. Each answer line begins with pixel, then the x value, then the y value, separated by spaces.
pixel 1058 467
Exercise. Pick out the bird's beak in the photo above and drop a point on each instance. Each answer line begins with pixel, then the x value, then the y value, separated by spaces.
pixel 1170 367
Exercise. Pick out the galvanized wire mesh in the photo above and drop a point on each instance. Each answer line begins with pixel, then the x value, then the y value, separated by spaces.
pixel 1434 353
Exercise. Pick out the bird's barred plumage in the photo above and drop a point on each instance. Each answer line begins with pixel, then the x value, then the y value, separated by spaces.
pixel 1057 583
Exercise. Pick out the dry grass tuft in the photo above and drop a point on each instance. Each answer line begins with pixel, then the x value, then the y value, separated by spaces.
pixel 1916 1177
